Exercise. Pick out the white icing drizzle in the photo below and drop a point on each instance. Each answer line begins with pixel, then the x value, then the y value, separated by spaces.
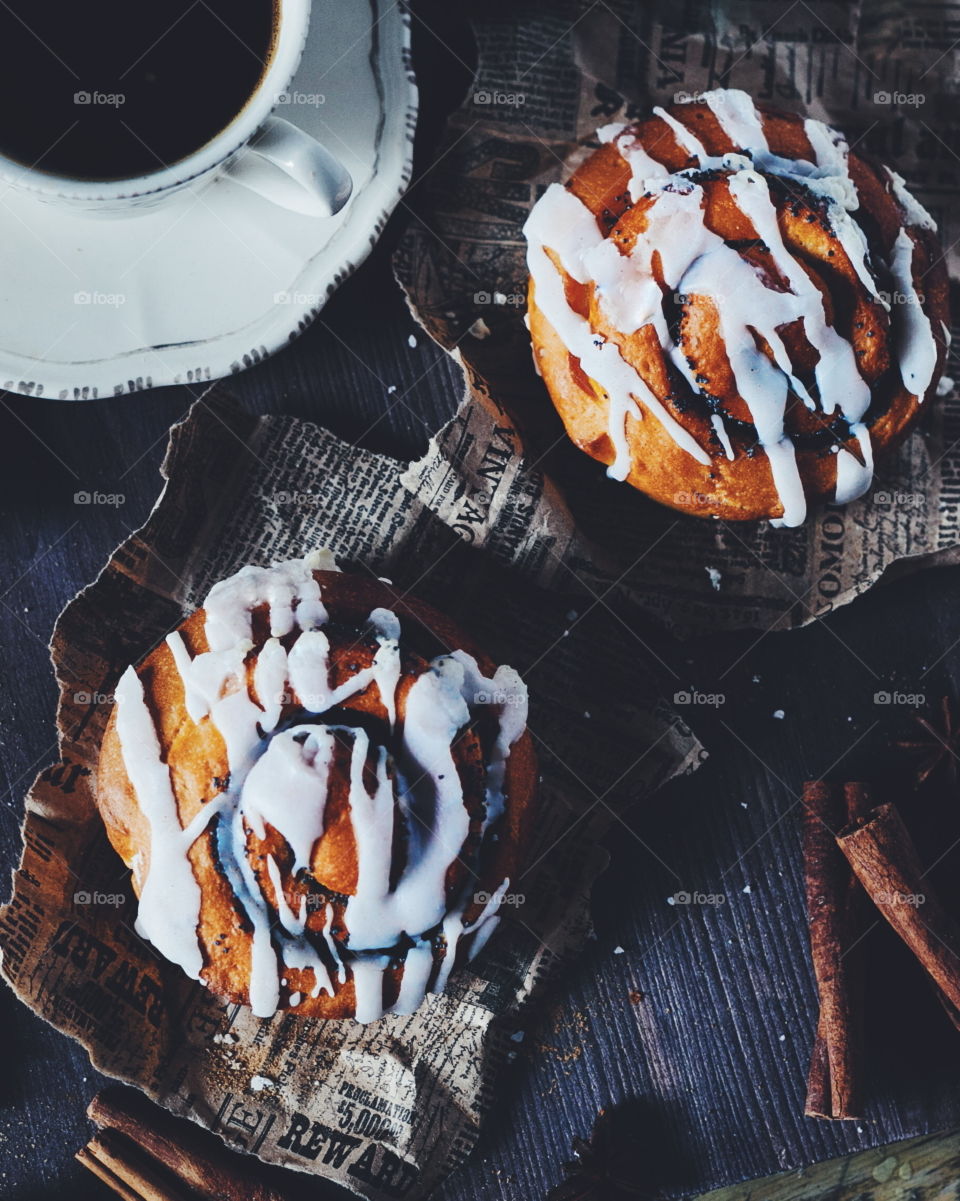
pixel 915 344
pixel 549 224
pixel 693 259
pixel 332 947
pixel 487 921
pixel 830 149
pixel 170 895
pixel 686 140
pixel 280 777
pixel 916 214
pixel 507 684
pixel 838 378
pixel 738 117
pixel 293 923
pixel 368 986
pixel 417 969
pixel 853 476
pixel 643 166
pixel 610 133
pixel 287 786
pixel 721 431
pixel 827 176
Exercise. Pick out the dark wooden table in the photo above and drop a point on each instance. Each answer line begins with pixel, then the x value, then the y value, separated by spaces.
pixel 696 1019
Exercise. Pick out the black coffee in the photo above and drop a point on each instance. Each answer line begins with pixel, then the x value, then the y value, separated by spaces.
pixel 105 89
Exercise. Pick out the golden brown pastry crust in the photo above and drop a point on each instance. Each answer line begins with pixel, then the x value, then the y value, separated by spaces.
pixel 742 488
pixel 197 760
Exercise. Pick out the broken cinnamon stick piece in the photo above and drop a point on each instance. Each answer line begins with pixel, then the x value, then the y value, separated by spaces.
pixel 130 1172
pixel 882 853
pixel 146 1154
pixel 90 1159
pixel 835 912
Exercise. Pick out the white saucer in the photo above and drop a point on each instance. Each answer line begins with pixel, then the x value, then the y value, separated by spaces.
pixel 211 283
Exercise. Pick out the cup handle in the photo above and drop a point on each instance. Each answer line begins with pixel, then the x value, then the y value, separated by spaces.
pixel 288 167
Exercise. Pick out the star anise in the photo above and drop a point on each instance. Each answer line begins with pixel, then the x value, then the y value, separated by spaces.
pixel 609 1165
pixel 939 746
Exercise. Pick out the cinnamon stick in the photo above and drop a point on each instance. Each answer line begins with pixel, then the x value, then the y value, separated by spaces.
pixel 90 1159
pixel 145 1153
pixel 882 853
pixel 836 917
pixel 129 1171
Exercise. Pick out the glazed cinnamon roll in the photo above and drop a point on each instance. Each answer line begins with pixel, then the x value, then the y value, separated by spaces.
pixel 322 790
pixel 733 310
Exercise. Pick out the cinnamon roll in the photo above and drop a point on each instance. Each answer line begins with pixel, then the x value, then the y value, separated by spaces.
pixel 322 790
pixel 733 310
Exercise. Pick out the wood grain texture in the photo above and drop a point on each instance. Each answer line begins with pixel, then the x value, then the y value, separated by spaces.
pixel 702 1014
pixel 923 1169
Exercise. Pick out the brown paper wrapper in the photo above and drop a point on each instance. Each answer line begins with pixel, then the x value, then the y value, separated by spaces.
pixel 385 1109
pixel 502 473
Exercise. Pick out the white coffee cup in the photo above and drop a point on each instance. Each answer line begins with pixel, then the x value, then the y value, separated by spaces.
pixel 261 151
